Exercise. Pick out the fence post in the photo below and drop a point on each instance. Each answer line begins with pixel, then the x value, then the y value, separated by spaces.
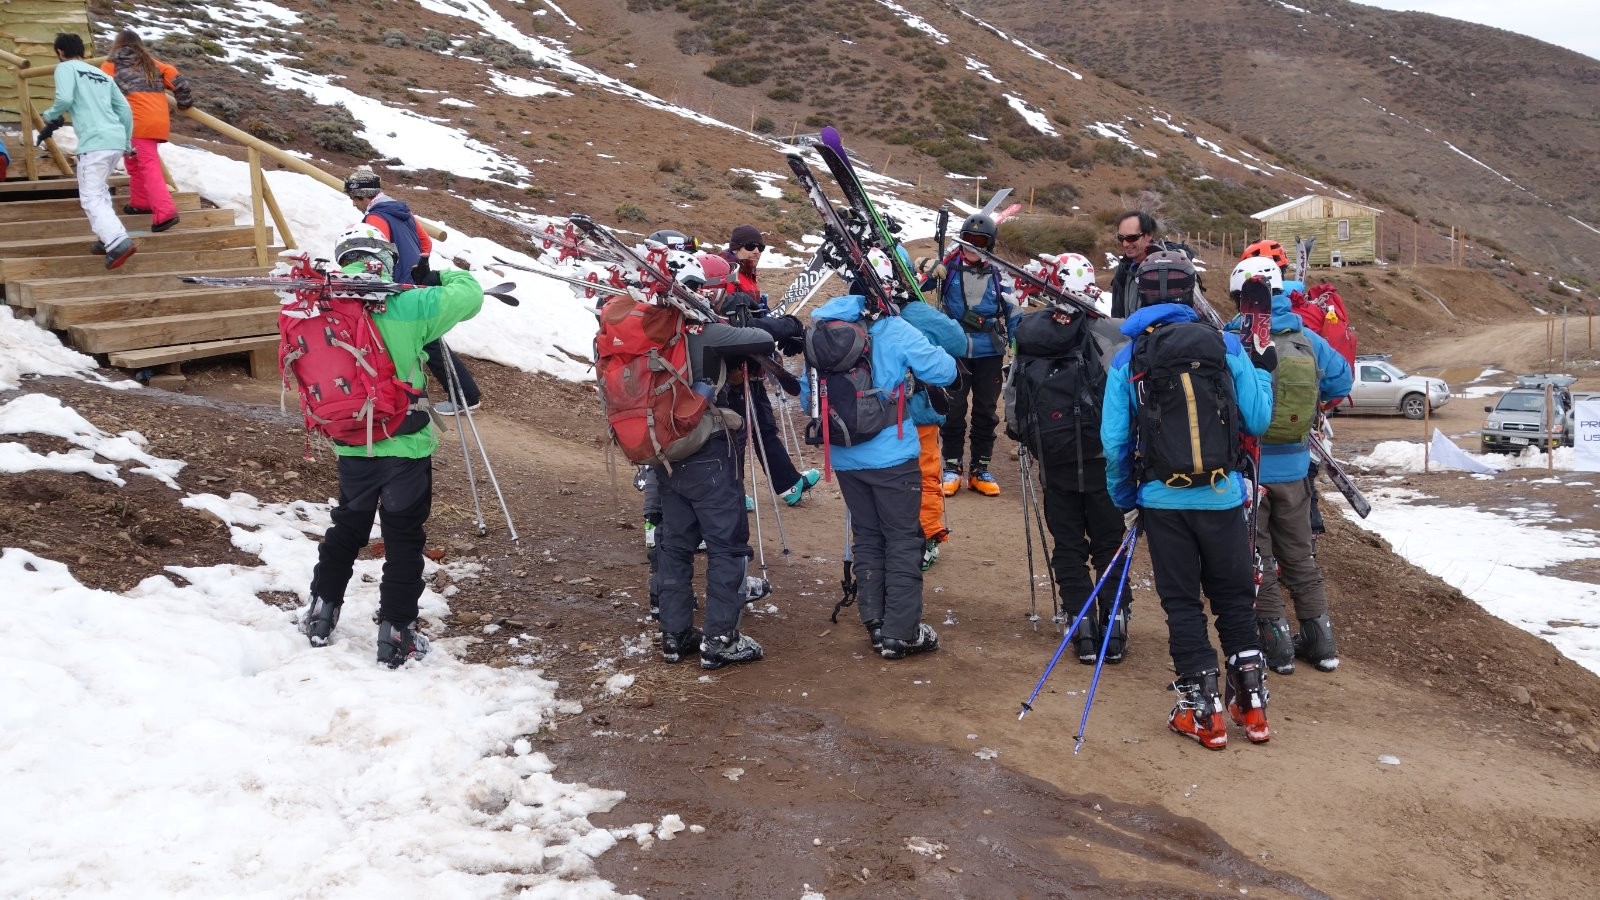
pixel 30 156
pixel 256 181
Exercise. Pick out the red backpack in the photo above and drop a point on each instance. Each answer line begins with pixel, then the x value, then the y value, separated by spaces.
pixel 1323 312
pixel 642 365
pixel 349 390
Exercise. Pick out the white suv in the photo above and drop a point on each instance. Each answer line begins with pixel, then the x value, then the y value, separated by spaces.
pixel 1380 387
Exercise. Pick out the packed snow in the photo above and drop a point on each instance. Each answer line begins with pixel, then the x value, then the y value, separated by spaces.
pixel 1118 133
pixel 1020 45
pixel 982 68
pixel 913 21
pixel 30 350
pixel 1406 456
pixel 45 415
pixel 1034 117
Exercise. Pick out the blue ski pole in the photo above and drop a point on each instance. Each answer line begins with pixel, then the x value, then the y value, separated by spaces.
pixel 1126 547
pixel 1100 663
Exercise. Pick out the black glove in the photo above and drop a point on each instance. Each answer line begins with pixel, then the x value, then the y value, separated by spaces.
pixel 1265 360
pixel 48 129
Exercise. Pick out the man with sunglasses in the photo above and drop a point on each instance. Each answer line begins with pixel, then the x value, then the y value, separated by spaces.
pixel 971 293
pixel 1136 239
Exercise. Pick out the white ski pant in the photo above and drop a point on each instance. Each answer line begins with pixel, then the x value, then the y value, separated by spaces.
pixel 94 169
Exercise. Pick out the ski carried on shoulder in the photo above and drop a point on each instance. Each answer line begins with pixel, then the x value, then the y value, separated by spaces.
pixel 1030 284
pixel 837 159
pixel 568 243
pixel 1336 473
pixel 880 298
pixel 313 283
pixel 1208 313
pixel 589 287
pixel 649 273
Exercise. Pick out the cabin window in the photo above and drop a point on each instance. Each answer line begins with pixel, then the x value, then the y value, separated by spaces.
pixel 1344 229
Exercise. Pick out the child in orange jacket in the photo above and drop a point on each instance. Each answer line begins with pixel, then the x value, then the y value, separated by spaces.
pixel 144 80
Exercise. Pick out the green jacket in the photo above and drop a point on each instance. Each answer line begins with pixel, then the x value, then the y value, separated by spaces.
pixel 413 320
pixel 100 114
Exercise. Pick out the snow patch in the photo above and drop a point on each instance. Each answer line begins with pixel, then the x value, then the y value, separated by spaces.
pixel 44 414
pixel 1034 117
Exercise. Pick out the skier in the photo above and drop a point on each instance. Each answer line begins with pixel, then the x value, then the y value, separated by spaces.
pixel 395 473
pixel 972 295
pixel 144 80
pixel 880 477
pixel 1136 235
pixel 1176 400
pixel 1053 400
pixel 745 246
pixel 1309 373
pixel 104 125
pixel 394 219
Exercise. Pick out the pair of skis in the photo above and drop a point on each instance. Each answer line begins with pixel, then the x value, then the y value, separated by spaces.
pixel 317 280
pixel 1030 284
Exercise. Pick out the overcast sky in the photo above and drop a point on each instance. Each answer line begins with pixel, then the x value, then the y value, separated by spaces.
pixel 1568 23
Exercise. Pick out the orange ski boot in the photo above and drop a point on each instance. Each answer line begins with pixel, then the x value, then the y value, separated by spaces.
pixel 1198 714
pixel 1247 694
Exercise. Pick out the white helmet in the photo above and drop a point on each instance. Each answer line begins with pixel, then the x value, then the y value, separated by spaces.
pixel 1255 267
pixel 1077 273
pixel 686 268
pixel 881 264
pixel 364 240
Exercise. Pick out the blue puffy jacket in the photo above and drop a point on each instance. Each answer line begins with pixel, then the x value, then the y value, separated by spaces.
pixel 402 232
pixel 897 347
pixel 978 344
pixel 1252 390
pixel 942 332
pixel 1282 463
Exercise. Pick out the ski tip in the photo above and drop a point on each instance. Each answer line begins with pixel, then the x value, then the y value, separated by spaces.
pixel 830 134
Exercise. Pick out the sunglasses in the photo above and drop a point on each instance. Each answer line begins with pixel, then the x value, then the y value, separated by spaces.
pixel 1130 238
pixel 753 245
pixel 981 241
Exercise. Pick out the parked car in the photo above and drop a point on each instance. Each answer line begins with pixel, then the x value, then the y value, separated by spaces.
pixel 1517 419
pixel 1381 387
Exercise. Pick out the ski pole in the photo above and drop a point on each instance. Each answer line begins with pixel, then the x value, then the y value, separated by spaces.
pixel 1034 482
pixel 1027 536
pixel 1124 548
pixel 750 461
pixel 761 449
pixel 454 392
pixel 1105 642
pixel 847 583
pixel 488 467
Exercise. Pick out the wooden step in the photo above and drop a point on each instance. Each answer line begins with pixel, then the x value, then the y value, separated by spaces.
pixel 66 208
pixel 143 262
pixel 77 227
pixel 217 237
pixel 160 331
pixel 28 294
pixel 263 352
pixel 59 314
pixel 48 188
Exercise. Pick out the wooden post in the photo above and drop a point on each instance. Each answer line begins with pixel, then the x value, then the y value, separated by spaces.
pixel 1549 425
pixel 1414 243
pixel 885 170
pixel 1427 430
pixel 278 218
pixel 256 212
pixel 1030 200
pixel 30 159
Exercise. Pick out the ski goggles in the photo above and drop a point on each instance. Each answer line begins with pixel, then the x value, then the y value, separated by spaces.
pixel 977 239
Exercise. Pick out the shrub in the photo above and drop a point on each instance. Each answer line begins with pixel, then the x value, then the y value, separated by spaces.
pixel 394 37
pixel 785 94
pixel 1027 238
pixel 267 130
pixel 764 125
pixel 739 71
pixel 1056 197
pixel 742 182
pixel 668 164
pixel 630 212
pixel 687 189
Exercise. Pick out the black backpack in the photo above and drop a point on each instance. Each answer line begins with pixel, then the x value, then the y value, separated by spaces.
pixel 1188 417
pixel 849 408
pixel 1059 382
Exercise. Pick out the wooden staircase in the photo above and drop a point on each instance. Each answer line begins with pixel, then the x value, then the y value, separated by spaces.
pixel 139 316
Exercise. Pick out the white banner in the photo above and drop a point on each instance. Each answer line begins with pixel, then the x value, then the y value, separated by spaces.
pixel 1443 452
pixel 1586 437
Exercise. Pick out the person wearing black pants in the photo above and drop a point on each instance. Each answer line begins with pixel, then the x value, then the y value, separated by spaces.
pixel 1085 526
pixel 404 488
pixel 978 388
pixel 469 387
pixel 702 499
pixel 887 540
pixel 1195 550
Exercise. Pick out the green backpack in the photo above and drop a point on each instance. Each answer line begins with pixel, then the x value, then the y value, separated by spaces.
pixel 1295 388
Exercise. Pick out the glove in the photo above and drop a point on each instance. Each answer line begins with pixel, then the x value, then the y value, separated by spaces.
pixel 48 129
pixel 1130 518
pixel 1265 360
pixel 707 390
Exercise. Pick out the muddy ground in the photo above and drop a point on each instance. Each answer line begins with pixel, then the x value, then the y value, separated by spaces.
pixel 827 767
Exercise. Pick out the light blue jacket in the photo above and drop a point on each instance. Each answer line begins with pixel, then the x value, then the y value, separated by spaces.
pixel 942 332
pixel 100 114
pixel 1281 463
pixel 897 347
pixel 1252 391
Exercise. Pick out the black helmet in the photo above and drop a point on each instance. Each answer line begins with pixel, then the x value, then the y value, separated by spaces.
pixel 1166 276
pixel 362 184
pixel 979 230
pixel 674 240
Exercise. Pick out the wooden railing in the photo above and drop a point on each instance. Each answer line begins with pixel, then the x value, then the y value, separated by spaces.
pixel 261 198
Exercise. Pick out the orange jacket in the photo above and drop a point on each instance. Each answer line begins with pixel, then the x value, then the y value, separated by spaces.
pixel 148 99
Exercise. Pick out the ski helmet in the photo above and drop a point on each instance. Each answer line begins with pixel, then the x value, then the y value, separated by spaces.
pixel 365 241
pixel 716 272
pixel 880 263
pixel 1166 276
pixel 680 260
pixel 1076 271
pixel 1255 267
pixel 674 240
pixel 980 231
pixel 362 184
pixel 1271 249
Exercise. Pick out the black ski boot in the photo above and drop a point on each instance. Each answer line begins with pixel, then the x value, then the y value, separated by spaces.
pixel 875 634
pixel 320 620
pixel 1277 645
pixel 927 639
pixel 1118 645
pixel 1315 645
pixel 716 652
pixel 398 643
pixel 1086 643
pixel 1247 694
pixel 675 647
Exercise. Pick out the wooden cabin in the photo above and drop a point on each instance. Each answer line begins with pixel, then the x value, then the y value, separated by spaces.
pixel 1340 227
pixel 28 28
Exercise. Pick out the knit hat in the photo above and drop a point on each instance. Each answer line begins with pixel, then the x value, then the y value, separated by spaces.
pixel 744 234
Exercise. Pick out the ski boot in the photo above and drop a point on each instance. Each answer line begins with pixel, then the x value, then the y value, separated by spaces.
pixel 808 480
pixel 1247 694
pixel 952 477
pixel 927 639
pixel 1276 644
pixel 982 480
pixel 320 620
pixel 930 553
pixel 875 634
pixel 398 643
pixel 716 652
pixel 674 647
pixel 1119 636
pixel 1314 643
pixel 1198 714
pixel 756 589
pixel 1086 643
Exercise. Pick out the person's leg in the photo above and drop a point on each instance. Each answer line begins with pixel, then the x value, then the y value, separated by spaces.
pixel 138 187
pixel 1272 623
pixel 1175 561
pixel 711 485
pixel 953 433
pixel 779 467
pixel 360 482
pixel 405 502
pixel 675 543
pixel 94 168
pixel 469 385
pixel 162 208
pixel 1225 574
pixel 897 494
pixel 931 512
pixel 867 547
pixel 1104 524
pixel 1291 528
pixel 1066 517
pixel 987 381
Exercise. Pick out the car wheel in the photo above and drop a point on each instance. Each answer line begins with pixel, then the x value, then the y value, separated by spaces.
pixel 1413 406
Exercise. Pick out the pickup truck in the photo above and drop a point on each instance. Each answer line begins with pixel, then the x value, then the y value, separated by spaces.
pixel 1381 387
pixel 1517 419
